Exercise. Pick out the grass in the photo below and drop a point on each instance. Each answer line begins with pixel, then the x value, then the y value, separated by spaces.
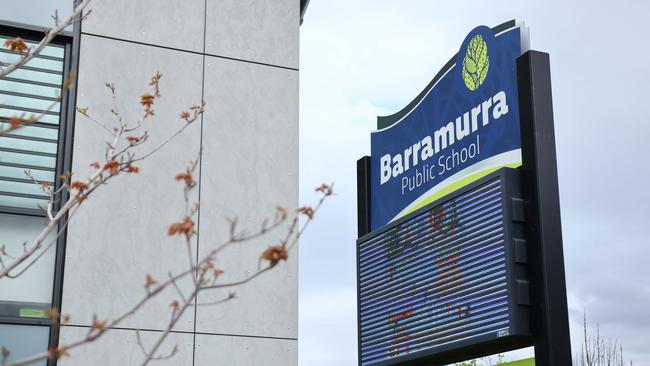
pixel 526 362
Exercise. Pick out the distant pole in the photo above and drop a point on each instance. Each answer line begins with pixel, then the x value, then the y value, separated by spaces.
pixel 549 314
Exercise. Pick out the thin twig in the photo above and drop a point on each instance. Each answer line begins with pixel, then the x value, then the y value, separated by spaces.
pixel 49 36
pixel 93 333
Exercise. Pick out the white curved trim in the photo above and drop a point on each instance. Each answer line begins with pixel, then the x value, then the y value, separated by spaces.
pixel 417 105
pixel 525 44
pixel 509 157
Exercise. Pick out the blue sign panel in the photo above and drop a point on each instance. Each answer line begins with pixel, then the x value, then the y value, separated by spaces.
pixel 465 126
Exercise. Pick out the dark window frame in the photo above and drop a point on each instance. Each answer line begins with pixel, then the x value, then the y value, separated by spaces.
pixel 70 40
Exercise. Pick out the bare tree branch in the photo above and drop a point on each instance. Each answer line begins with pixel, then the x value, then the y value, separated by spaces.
pixel 17 122
pixel 49 36
pixel 117 161
pixel 597 350
pixel 120 156
pixel 26 53
pixel 202 273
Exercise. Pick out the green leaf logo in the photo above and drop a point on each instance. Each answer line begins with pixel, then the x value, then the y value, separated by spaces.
pixel 476 63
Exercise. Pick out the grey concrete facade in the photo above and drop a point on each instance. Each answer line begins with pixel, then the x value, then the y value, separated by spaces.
pixel 241 57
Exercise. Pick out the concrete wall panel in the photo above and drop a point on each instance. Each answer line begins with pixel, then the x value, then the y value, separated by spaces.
pixel 244 351
pixel 264 31
pixel 119 348
pixel 119 234
pixel 249 166
pixel 170 23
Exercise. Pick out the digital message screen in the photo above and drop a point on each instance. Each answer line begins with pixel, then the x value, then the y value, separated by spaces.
pixel 441 279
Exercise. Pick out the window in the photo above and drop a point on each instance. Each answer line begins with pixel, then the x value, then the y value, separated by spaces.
pixel 32 90
pixel 13 337
pixel 43 149
pixel 31 293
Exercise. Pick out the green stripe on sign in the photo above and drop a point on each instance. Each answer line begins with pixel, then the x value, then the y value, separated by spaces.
pixel 31 313
pixel 459 184
pixel 526 362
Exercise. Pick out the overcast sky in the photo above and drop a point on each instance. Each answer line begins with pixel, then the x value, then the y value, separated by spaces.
pixel 363 58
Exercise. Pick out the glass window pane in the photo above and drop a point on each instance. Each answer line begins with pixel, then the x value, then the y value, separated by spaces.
pixel 11 201
pixel 30 189
pixel 24 341
pixel 39 62
pixel 23 159
pixel 32 89
pixel 12 172
pixel 51 50
pixel 46 118
pixel 35 12
pixel 38 76
pixel 21 96
pixel 29 145
pixel 31 103
pixel 29 294
pixel 33 131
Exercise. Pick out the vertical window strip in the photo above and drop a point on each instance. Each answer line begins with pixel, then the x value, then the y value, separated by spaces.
pixel 28 154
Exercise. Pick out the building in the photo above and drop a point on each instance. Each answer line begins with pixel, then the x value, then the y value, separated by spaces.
pixel 241 57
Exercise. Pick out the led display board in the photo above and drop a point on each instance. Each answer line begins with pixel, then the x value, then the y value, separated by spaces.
pixel 464 125
pixel 447 278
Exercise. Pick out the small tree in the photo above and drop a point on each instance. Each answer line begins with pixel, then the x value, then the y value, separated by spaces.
pixel 485 361
pixel 127 146
pixel 598 350
pixel 595 350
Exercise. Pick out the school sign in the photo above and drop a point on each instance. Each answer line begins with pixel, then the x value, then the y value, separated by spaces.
pixel 459 252
pixel 464 127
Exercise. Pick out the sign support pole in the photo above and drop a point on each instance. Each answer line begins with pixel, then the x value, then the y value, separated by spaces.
pixel 549 315
pixel 363 196
pixel 363 225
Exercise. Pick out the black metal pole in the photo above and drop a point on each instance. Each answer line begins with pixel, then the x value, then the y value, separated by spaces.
pixel 363 222
pixel 363 195
pixel 549 315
